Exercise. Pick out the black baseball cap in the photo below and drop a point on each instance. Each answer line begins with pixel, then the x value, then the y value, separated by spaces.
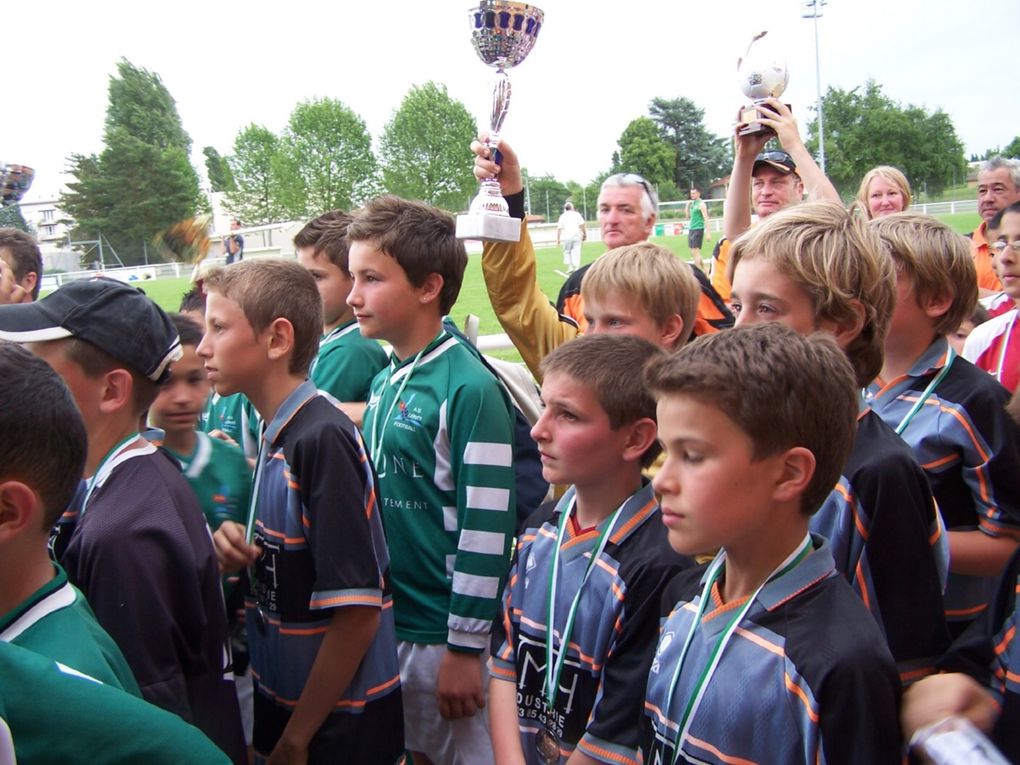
pixel 115 317
pixel 779 160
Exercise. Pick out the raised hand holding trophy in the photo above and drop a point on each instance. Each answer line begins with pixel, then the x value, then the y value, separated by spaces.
pixel 503 34
pixel 15 180
pixel 762 74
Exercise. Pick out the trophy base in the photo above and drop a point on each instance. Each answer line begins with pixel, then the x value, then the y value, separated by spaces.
pixel 488 228
pixel 749 117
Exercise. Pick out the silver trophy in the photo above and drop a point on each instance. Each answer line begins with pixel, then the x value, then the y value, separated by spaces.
pixel 762 74
pixel 15 180
pixel 503 34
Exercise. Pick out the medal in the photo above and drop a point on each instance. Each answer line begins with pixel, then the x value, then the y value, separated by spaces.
pixel 548 746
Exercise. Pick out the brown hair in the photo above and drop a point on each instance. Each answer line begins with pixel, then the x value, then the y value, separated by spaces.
pixel 419 237
pixel 268 289
pixel 608 366
pixel 332 244
pixel 313 230
pixel 25 256
pixel 780 388
pixel 95 363
pixel 835 258
pixel 649 277
pixel 935 259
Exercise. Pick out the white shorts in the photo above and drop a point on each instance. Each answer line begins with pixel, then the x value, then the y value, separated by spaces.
pixel 445 742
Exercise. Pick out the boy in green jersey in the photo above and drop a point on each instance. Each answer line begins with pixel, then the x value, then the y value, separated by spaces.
pixel 440 431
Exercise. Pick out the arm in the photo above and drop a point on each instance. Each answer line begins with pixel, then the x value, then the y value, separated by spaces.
pixel 955 695
pixel 503 725
pixel 817 186
pixel 708 222
pixel 737 208
pixel 347 639
pixel 975 553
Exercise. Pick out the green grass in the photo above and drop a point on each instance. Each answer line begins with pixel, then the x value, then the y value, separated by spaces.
pixel 475 300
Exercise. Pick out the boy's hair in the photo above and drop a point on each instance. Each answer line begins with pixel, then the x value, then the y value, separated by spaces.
pixel 25 256
pixel 193 300
pixel 268 289
pixel 648 277
pixel 332 245
pixel 935 259
pixel 421 238
pixel 310 233
pixel 996 220
pixel 607 365
pixel 42 437
pixel 780 388
pixel 892 174
pixel 834 257
pixel 187 328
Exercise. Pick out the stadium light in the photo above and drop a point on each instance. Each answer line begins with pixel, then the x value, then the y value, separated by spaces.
pixel 813 10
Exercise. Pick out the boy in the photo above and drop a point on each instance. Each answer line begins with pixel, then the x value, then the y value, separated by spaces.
pixel 602 545
pixel 21 253
pixel 347 362
pixel 139 549
pixel 42 454
pixel 947 410
pixel 767 656
pixel 816 266
pixel 441 434
pixel 216 469
pixel 320 634
pixel 995 347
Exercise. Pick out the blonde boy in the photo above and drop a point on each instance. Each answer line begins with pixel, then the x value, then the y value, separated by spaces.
pixel 756 424
pixel 947 410
pixel 320 632
pixel 602 545
pixel 814 267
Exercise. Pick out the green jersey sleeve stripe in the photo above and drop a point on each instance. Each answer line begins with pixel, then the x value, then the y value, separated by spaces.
pixel 475 586
pixel 449 518
pixel 487 453
pixel 486 498
pixel 484 542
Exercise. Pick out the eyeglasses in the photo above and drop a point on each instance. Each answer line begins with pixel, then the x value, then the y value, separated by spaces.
pixel 631 179
pixel 775 156
pixel 1000 246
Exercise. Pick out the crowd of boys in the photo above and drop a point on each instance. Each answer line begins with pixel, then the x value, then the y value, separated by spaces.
pixel 246 530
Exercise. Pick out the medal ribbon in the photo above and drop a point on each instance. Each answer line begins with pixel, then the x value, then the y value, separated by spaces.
pixel 554 661
pixel 694 700
pixel 950 357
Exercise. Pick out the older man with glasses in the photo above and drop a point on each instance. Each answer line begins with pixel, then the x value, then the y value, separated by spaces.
pixel 771 180
pixel 627 209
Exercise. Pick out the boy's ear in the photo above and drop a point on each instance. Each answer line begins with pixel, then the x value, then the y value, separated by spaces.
pixel 118 390
pixel 670 330
pixel 430 287
pixel 19 510
pixel 937 305
pixel 279 338
pixel 796 471
pixel 641 434
pixel 845 331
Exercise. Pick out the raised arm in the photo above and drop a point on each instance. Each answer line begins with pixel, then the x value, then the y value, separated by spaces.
pixel 816 185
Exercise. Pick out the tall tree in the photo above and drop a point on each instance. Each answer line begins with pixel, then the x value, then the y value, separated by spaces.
pixel 546 195
pixel 865 128
pixel 326 159
pixel 11 217
pixel 255 165
pixel 699 156
pixel 425 149
pixel 643 150
pixel 1012 148
pixel 143 181
pixel 216 167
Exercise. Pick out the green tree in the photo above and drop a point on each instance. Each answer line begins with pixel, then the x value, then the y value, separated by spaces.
pixel 1012 148
pixel 546 195
pixel 216 167
pixel 643 150
pixel 699 156
pixel 326 160
pixel 865 128
pixel 255 166
pixel 425 149
pixel 11 217
pixel 143 181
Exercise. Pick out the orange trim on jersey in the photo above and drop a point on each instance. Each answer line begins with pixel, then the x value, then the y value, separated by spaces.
pixel 605 754
pixel 634 520
pixel 1006 640
pixel 720 607
pixel 724 757
pixel 973 610
pixel 761 642
pixel 797 691
pixel 342 599
pixel 859 576
pixel 916 674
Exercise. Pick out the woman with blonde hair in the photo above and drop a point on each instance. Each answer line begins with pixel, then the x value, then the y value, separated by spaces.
pixel 884 190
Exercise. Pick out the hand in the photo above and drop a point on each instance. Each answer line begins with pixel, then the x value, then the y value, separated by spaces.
pixel 10 290
pixel 285 753
pixel 232 549
pixel 780 120
pixel 508 173
pixel 459 685
pixel 749 146
pixel 222 436
pixel 940 696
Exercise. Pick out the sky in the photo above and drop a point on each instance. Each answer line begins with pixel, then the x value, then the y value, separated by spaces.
pixel 595 67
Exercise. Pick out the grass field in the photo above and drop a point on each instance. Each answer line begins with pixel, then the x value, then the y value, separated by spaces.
pixel 473 297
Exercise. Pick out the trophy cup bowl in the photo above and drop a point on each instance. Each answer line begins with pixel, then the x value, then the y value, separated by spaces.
pixel 761 75
pixel 15 180
pixel 503 34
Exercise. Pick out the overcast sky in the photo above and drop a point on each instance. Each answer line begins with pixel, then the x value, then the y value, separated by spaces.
pixel 592 71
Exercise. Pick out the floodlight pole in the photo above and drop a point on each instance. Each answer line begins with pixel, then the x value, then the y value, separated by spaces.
pixel 812 10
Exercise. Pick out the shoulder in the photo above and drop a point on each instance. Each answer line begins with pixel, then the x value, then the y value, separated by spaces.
pixel 985 334
pixel 878 448
pixel 682 588
pixel 976 391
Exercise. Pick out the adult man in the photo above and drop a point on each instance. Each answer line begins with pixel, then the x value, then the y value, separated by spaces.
pixel 771 180
pixel 571 232
pixel 233 244
pixel 998 188
pixel 626 214
pixel 20 253
pixel 697 211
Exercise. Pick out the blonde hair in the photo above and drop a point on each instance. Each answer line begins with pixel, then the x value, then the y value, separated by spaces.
pixel 937 261
pixel 889 173
pixel 834 257
pixel 650 277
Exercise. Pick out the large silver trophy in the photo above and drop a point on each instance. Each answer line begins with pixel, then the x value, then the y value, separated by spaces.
pixel 762 73
pixel 503 34
pixel 15 180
